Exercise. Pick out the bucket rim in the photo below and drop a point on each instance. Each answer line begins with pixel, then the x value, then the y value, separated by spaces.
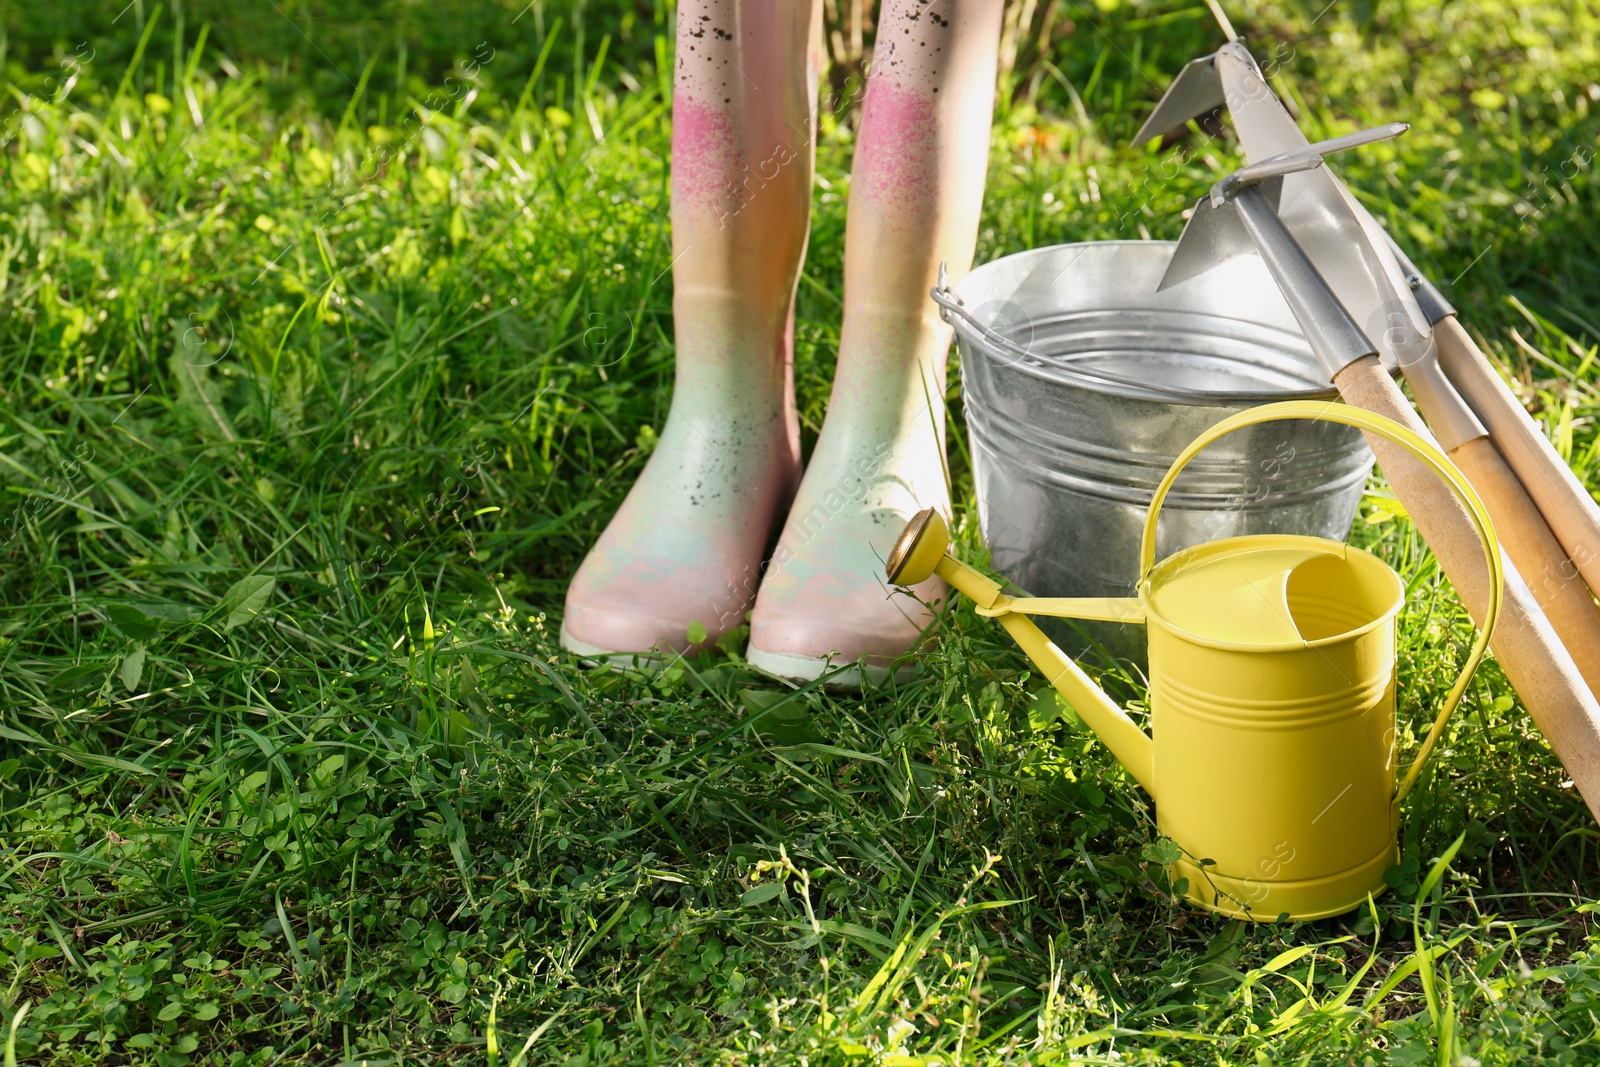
pixel 970 331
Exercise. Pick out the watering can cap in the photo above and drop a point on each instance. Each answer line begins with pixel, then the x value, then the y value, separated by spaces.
pixel 1268 591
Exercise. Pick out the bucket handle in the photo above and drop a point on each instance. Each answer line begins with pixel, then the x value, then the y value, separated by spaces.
pixel 1413 443
pixel 952 307
pixel 951 304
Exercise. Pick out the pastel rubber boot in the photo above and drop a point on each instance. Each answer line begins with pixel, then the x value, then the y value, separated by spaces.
pixel 824 602
pixel 915 194
pixel 686 548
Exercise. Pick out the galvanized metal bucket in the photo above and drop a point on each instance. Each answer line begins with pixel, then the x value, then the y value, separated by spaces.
pixel 1081 384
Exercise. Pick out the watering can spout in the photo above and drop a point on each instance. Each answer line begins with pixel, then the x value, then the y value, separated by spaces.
pixel 921 552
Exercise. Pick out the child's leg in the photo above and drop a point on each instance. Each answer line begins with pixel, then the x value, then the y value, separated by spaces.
pixel 915 194
pixel 688 542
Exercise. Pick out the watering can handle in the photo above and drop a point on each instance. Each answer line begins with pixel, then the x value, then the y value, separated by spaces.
pixel 1418 446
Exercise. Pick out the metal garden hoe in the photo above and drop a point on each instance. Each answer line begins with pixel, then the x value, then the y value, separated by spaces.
pixel 1547 523
pixel 1230 76
pixel 1240 215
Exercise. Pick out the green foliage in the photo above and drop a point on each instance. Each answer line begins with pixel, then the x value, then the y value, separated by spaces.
pixel 321 50
pixel 310 401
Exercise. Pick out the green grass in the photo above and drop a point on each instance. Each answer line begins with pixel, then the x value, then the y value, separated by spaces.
pixel 308 409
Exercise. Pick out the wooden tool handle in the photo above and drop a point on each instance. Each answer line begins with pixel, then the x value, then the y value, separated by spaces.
pixel 1538 556
pixel 1544 674
pixel 1566 505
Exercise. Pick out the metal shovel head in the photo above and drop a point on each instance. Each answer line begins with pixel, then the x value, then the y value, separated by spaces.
pixel 1213 235
pixel 1340 237
pixel 1250 223
pixel 1196 91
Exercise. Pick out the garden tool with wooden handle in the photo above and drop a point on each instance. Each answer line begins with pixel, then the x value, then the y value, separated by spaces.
pixel 1572 514
pixel 1238 216
pixel 1352 252
pixel 1230 77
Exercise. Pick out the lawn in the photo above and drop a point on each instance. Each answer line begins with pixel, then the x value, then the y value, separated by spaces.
pixel 330 337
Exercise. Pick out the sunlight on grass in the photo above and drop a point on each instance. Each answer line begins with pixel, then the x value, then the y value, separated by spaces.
pixel 320 373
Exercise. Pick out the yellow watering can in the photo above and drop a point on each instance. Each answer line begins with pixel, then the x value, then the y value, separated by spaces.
pixel 1272 691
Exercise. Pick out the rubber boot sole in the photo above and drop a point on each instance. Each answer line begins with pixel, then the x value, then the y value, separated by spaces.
pixel 794 668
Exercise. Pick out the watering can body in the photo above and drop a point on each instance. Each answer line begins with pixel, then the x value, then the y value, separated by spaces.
pixel 1272 694
pixel 1273 758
